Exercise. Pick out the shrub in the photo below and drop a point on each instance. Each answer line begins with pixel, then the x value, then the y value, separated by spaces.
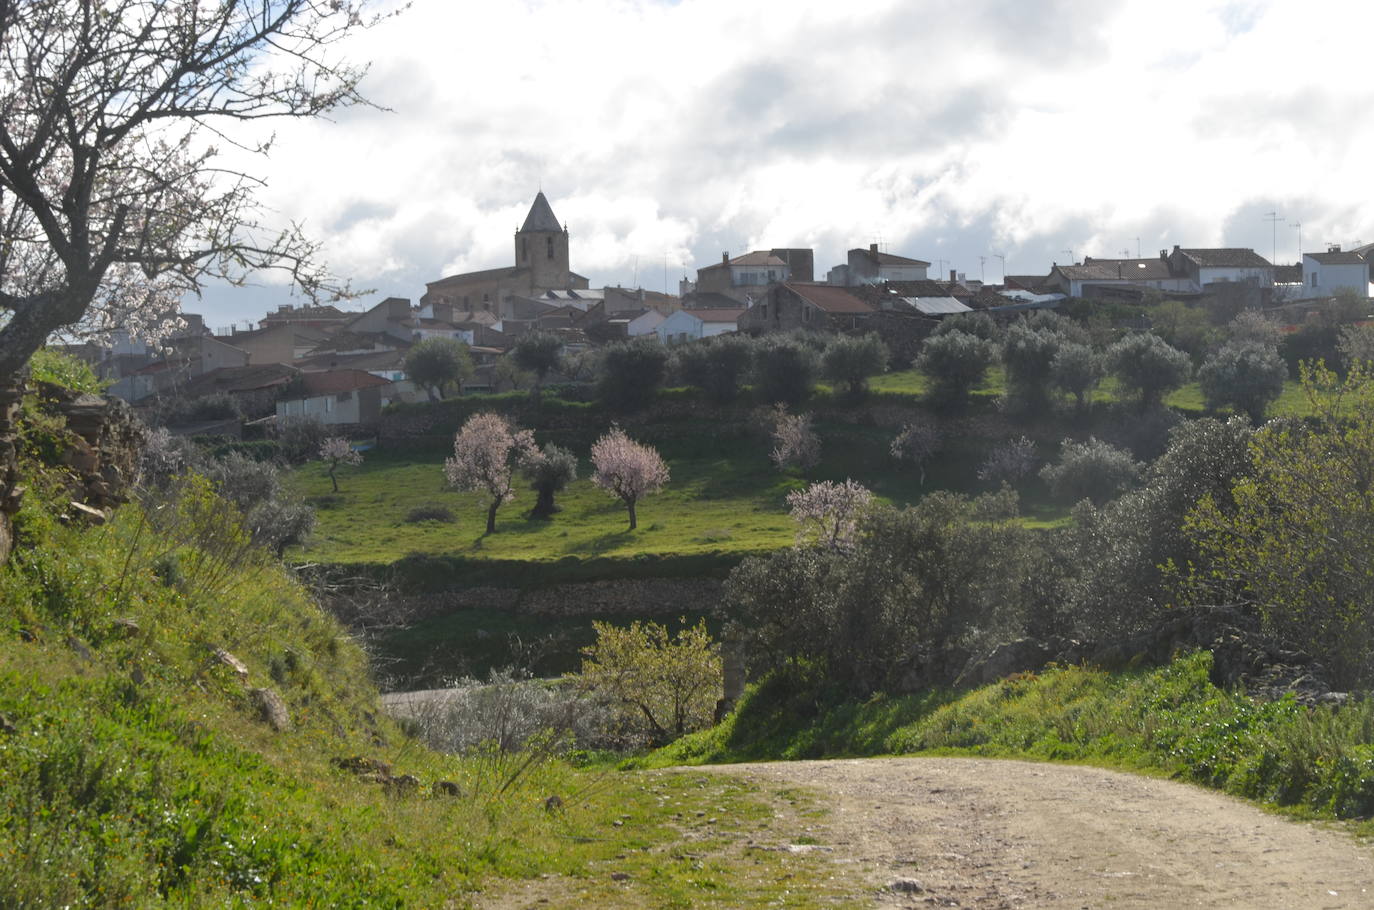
pixel 429 513
pixel 1028 353
pixel 300 438
pixel 538 353
pixel 1077 369
pixel 218 406
pixel 717 365
pixel 663 686
pixel 785 369
pixel 1092 470
pixel 48 365
pixel 979 325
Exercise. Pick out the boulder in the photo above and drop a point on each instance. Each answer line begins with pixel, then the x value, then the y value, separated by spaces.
pixel 271 708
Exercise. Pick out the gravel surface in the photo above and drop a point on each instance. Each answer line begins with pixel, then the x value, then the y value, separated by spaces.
pixel 1007 834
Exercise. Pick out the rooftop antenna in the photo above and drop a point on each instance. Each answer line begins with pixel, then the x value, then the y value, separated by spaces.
pixel 1137 247
pixel 982 260
pixel 1072 261
pixel 1002 257
pixel 1298 225
pixel 636 279
pixel 1126 254
pixel 1274 219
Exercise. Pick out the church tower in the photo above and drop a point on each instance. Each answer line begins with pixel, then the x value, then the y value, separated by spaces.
pixel 542 247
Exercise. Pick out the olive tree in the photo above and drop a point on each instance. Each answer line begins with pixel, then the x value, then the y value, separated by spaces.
pixel 539 354
pixel 548 470
pixel 1245 375
pixel 436 364
pixel 1146 365
pixel 852 359
pixel 955 361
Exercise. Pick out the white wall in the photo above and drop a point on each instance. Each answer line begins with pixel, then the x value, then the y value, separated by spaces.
pixel 679 327
pixel 1325 280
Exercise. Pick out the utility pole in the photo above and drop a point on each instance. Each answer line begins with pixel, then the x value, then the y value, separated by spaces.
pixel 1274 219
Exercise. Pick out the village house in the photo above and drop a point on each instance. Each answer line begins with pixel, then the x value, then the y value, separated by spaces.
pixel 1326 274
pixel 792 305
pixel 872 266
pixel 746 278
pixel 692 325
pixel 277 342
pixel 541 264
pixel 334 397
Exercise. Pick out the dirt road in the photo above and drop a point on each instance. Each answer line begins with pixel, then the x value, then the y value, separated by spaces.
pixel 1007 834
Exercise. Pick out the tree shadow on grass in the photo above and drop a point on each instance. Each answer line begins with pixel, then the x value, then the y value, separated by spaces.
pixel 601 544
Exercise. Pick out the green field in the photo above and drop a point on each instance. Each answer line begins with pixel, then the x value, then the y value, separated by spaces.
pixel 724 496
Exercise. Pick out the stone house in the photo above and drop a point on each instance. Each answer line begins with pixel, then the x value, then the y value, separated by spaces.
pixel 872 266
pixel 818 307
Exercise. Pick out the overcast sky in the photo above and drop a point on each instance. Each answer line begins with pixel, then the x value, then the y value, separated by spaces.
pixel 947 130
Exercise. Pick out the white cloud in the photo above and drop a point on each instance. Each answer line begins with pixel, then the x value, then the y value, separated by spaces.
pixel 949 129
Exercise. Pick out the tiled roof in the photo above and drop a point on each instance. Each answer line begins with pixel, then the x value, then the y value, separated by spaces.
pixel 1153 269
pixel 925 288
pixel 330 382
pixel 891 258
pixel 756 258
pixel 829 298
pixel 1227 258
pixel 1345 257
pixel 717 315
pixel 358 341
pixel 375 360
pixel 239 379
pixel 471 276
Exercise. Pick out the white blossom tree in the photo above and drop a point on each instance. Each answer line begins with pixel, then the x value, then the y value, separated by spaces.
pixel 794 441
pixel 627 469
pixel 486 452
pixel 829 512
pixel 113 199
pixel 337 451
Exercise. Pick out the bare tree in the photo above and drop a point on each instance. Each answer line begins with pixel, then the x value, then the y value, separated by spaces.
pixel 113 201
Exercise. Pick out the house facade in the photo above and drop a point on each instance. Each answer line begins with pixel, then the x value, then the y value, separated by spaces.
pixel 1326 274
pixel 334 397
pixel 793 305
pixel 691 325
pixel 872 266
pixel 743 278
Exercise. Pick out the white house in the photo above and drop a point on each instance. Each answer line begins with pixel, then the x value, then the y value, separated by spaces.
pixel 1221 265
pixel 690 325
pixel 1323 274
pixel 334 397
pixel 645 323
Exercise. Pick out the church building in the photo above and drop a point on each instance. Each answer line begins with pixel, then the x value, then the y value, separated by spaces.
pixel 541 265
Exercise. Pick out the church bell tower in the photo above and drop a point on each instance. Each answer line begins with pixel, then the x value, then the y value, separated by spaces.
pixel 541 246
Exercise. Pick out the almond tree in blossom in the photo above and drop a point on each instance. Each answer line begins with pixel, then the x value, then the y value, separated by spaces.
pixel 486 452
pixel 337 451
pixel 627 469
pixel 829 511
pixel 794 442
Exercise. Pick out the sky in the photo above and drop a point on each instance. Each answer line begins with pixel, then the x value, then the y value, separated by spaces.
pixel 979 135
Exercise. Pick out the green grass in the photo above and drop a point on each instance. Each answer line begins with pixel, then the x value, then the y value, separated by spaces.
pixel 135 770
pixel 1171 721
pixel 724 497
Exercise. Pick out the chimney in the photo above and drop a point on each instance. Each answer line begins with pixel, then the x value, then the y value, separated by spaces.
pixel 1333 247
pixel 952 275
pixel 1163 254
pixel 724 258
pixel 873 247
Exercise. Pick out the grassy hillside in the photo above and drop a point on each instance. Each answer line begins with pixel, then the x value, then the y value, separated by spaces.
pixel 137 767
pixel 1170 720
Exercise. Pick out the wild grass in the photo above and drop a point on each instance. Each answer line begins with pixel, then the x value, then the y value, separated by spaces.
pixel 1171 720
pixel 135 769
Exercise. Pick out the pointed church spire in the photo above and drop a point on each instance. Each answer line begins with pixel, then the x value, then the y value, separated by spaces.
pixel 541 216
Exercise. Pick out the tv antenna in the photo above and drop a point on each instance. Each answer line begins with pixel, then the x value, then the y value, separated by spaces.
pixel 1298 226
pixel 1072 261
pixel 1002 257
pixel 1273 219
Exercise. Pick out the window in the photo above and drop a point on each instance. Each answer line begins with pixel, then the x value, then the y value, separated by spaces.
pixel 1314 279
pixel 806 314
pixel 549 244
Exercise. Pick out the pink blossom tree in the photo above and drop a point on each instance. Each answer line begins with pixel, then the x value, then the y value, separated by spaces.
pixel 794 442
pixel 337 451
pixel 627 469
pixel 829 512
pixel 486 452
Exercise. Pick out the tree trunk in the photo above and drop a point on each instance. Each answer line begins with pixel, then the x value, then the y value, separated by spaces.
pixel 544 506
pixel 10 393
pixel 334 480
pixel 491 515
pixel 634 522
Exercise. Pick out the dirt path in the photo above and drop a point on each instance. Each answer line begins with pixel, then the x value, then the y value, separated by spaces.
pixel 1008 834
